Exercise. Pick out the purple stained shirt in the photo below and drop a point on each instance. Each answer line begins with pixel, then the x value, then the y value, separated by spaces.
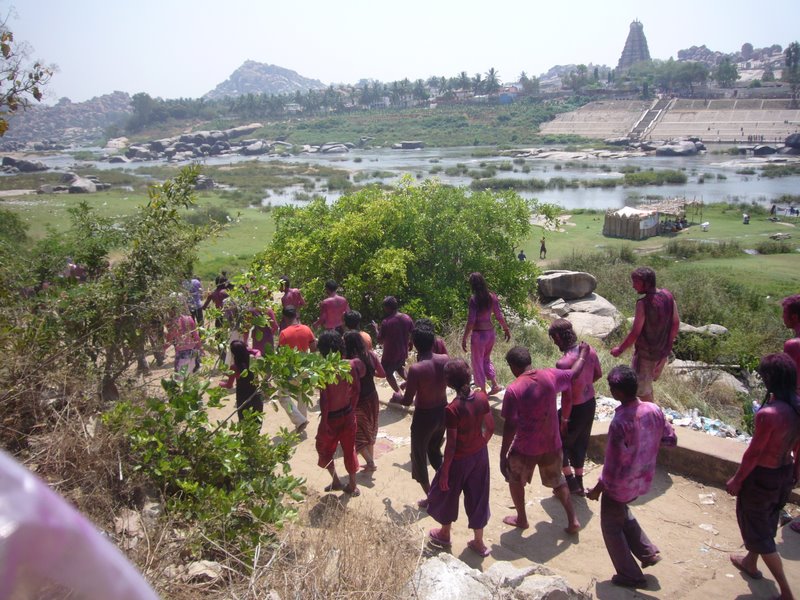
pixel 480 318
pixel 394 334
pixel 634 437
pixel 530 403
pixel 653 342
pixel 331 311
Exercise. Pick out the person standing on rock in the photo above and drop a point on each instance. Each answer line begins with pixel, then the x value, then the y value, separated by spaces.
pixel 769 471
pixel 655 327
pixel 791 318
pixel 531 436
pixel 577 404
pixel 480 331
pixel 637 431
pixel 332 308
pixel 470 426
pixel 426 387
pixel 394 333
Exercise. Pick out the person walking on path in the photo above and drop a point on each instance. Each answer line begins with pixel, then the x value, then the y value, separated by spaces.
pixel 531 436
pixel 426 387
pixel 637 431
pixel 576 415
pixel 395 335
pixel 182 333
pixel 248 396
pixel 299 337
pixel 769 471
pixel 480 331
pixel 655 327
pixel 465 469
pixel 332 309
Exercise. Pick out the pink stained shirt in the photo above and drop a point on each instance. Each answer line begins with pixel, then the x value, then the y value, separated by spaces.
pixel 653 342
pixel 331 311
pixel 183 333
pixel 293 297
pixel 582 388
pixel 634 437
pixel 394 334
pixel 482 319
pixel 530 404
pixel 466 417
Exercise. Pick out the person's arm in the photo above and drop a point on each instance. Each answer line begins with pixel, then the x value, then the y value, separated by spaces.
pixel 208 301
pixel 498 314
pixel 449 453
pixel 509 431
pixel 323 411
pixel 762 430
pixel 566 409
pixel 300 300
pixel 322 311
pixel 792 348
pixel 376 363
pixel 274 326
pixel 408 395
pixel 598 370
pixel 638 324
pixel 488 426
pixel 473 314
pixel 797 463
pixel 676 323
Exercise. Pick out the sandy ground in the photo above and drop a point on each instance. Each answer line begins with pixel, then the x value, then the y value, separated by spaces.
pixel 695 538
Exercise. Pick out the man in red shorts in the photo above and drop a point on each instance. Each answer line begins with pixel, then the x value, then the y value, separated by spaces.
pixel 531 435
pixel 337 403
pixel 655 327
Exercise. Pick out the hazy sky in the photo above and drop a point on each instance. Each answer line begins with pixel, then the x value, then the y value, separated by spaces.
pixel 174 48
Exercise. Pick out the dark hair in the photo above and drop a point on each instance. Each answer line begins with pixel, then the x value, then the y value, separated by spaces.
pixel 331 285
pixel 390 302
pixel 518 357
pixel 646 275
pixel 354 347
pixel 330 341
pixel 352 319
pixel 564 331
pixel 290 311
pixel 780 377
pixel 458 376
pixel 623 379
pixel 423 339
pixel 480 291
pixel 221 278
pixel 424 324
pixel 241 356
pixel 792 305
pixel 284 280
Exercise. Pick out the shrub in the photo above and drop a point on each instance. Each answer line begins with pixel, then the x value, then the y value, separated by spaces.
pixel 208 216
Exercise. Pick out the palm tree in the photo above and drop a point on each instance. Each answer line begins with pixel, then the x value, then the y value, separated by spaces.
pixel 477 84
pixel 464 82
pixel 492 82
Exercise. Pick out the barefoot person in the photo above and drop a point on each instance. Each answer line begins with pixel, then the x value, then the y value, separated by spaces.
pixel 368 405
pixel 531 436
pixel 466 461
pixel 439 347
pixel 769 471
pixel 337 425
pixel 299 337
pixel 352 322
pixel 248 396
pixel 791 318
pixel 655 327
pixel 332 308
pixel 426 387
pixel 577 404
pixel 480 331
pixel 634 437
pixel 394 333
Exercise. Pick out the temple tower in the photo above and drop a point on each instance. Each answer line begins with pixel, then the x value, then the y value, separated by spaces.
pixel 635 47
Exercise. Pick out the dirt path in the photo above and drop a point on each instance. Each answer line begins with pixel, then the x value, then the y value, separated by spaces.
pixel 694 538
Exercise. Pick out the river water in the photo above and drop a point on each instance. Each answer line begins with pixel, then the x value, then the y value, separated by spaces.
pixel 721 182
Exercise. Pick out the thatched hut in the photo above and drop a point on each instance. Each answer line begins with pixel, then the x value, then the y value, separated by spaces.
pixel 644 221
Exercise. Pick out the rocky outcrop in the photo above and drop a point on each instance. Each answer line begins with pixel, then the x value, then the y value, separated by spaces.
pixel 591 315
pixel 708 376
pixel 20 165
pixel 793 141
pixel 443 577
pixel 677 148
pixel 261 78
pixel 568 285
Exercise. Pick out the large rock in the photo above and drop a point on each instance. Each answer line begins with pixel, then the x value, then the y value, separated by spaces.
pixel 793 141
pixel 242 130
pixel 682 148
pixel 24 166
pixel 705 375
pixel 334 148
pixel 568 285
pixel 594 304
pixel 443 577
pixel 82 185
pixel 587 324
pixel 259 147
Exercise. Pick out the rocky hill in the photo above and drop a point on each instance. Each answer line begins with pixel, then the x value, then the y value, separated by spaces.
pixel 68 122
pixel 260 78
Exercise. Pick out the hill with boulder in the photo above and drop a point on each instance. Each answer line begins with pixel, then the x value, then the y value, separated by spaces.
pixel 261 78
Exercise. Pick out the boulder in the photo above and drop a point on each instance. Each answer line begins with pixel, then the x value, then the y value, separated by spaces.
pixel 82 185
pixel 587 324
pixel 793 141
pixel 711 329
pixel 445 577
pixel 118 159
pixel 617 141
pixel 140 152
pixel 203 571
pixel 52 189
pixel 680 148
pixel 117 143
pixel 782 235
pixel 557 307
pixel 764 150
pixel 568 285
pixel 204 182
pixel 259 147
pixel 707 376
pixel 593 304
pixel 25 166
pixel 242 130
pixel 333 148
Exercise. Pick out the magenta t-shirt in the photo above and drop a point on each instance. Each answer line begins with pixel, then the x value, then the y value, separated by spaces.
pixel 530 403
pixel 481 318
pixel 653 342
pixel 466 417
pixel 394 335
pixel 331 311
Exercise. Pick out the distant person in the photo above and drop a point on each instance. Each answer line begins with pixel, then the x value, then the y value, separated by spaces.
pixel 194 290
pixel 395 335
pixel 521 256
pixel 263 333
pixel 248 396
pixel 480 331
pixel 182 333
pixel 337 425
pixel 352 322
pixel 655 327
pixel 470 426
pixel 368 407
pixel 531 435
pixel 291 296
pixel 439 347
pixel 636 433
pixel 299 337
pixel 332 308
pixel 769 470
pixel 542 248
pixel 426 388
pixel 576 415
pixel 791 318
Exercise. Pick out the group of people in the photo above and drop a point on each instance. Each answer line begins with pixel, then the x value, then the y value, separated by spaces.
pixel 536 432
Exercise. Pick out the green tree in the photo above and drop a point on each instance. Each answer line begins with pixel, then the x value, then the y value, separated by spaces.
pixel 791 69
pixel 418 243
pixel 769 74
pixel 726 73
pixel 464 82
pixel 492 82
pixel 478 84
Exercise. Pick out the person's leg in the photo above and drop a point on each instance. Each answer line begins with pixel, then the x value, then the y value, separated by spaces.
pixel 336 483
pixel 613 515
pixel 476 351
pixel 580 445
pixel 435 439
pixel 517 490
pixel 640 545
pixel 775 566
pixel 348 441
pixel 488 366
pixel 295 416
pixel 563 495
pixel 476 497
pixel 644 377
pixel 419 463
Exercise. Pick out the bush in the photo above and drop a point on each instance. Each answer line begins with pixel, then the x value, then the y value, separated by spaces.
pixel 774 247
pixel 208 216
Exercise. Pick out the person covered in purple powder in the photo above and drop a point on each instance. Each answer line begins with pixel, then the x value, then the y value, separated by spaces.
pixel 465 469
pixel 655 327
pixel 395 335
pixel 480 331
pixel 332 308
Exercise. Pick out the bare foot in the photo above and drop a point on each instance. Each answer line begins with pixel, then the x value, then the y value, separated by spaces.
pixel 573 528
pixel 515 522
pixel 369 467
pixel 352 490
pixel 738 562
pixel 336 486
pixel 496 389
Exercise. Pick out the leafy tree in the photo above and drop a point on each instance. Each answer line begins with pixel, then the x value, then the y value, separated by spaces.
pixel 769 74
pixel 791 69
pixel 477 84
pixel 418 243
pixel 464 82
pixel 492 82
pixel 726 73
pixel 19 81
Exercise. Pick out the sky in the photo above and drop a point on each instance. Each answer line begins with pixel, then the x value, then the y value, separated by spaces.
pixel 184 48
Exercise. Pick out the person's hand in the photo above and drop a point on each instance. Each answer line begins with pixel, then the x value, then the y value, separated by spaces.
pixel 504 467
pixel 507 335
pixel 616 351
pixel 594 493
pixel 396 398
pixel 464 344
pixel 444 477
pixel 734 486
pixel 564 426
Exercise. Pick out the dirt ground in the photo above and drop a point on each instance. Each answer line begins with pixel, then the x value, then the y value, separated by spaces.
pixel 693 525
